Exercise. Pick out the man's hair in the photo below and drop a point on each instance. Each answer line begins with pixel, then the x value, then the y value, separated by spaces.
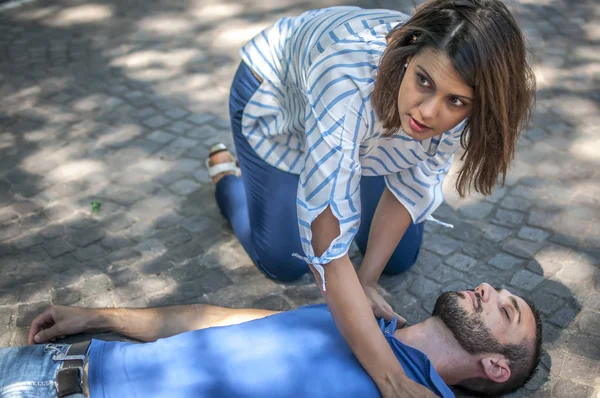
pixel 487 49
pixel 524 359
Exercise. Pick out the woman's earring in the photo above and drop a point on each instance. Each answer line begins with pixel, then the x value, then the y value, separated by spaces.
pixel 406 65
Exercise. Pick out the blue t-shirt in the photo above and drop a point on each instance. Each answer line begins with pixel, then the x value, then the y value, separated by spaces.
pixel 292 354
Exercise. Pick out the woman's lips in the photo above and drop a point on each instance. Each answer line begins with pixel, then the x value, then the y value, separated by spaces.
pixel 418 127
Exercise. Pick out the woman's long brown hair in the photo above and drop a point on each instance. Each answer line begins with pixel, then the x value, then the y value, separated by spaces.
pixel 487 49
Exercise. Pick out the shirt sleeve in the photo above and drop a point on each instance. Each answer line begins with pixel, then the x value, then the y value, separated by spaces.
pixel 335 126
pixel 419 188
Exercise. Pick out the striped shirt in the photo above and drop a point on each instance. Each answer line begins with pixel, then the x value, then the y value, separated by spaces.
pixel 312 116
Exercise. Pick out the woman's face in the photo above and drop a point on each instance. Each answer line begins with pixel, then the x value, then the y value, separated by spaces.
pixel 433 98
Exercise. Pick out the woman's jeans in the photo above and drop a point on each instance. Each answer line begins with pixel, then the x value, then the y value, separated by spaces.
pixel 261 205
pixel 30 371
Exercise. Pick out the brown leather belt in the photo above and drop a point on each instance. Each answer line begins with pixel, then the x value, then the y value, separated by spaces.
pixel 69 378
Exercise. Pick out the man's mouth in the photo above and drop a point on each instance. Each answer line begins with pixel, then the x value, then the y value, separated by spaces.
pixel 473 298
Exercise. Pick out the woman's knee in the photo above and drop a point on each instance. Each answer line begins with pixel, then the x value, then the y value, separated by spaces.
pixel 281 265
pixel 401 262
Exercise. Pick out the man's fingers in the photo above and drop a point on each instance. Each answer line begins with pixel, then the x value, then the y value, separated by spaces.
pixel 47 334
pixel 39 323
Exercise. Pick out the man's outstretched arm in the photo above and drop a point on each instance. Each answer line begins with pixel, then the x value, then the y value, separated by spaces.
pixel 145 324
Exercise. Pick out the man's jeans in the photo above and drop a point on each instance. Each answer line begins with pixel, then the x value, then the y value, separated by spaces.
pixel 30 371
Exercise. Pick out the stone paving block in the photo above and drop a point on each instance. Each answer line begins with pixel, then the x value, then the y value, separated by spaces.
pixel 66 295
pixel 168 219
pixel 589 323
pixel 58 212
pixel 272 303
pixel 476 210
pixel 568 388
pixel 544 218
pixel 176 148
pixel 202 176
pixel 583 344
pixel 26 313
pixel 504 261
pixel 7 317
pixel 58 247
pixel 422 287
pixel 199 152
pixel 533 234
pixel 184 187
pixel 578 267
pixel 176 113
pixel 461 262
pixel 96 285
pixel 521 248
pixel 123 196
pixel 442 245
pixel 180 127
pixel 546 302
pixel 118 222
pixel 91 252
pixel 479 249
pixel 507 218
pixel 86 236
pixel 526 280
pixel 53 231
pixel 123 276
pixel 7 214
pixel 10 230
pixel 563 317
pixel 161 137
pixel 200 119
pixel 172 237
pixel 27 240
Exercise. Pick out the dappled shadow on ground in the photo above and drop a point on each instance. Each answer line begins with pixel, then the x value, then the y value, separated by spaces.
pixel 118 102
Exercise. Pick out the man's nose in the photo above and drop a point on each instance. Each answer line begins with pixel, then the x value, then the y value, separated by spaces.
pixel 486 291
pixel 430 108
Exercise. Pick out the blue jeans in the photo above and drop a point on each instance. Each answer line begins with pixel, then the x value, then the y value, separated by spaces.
pixel 261 205
pixel 30 371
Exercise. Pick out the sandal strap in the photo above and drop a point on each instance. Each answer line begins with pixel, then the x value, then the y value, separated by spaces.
pixel 222 168
pixel 218 147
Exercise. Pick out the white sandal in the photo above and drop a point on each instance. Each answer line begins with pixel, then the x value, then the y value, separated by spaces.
pixel 220 167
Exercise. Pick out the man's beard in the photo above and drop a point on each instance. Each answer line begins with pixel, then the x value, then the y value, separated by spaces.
pixel 468 329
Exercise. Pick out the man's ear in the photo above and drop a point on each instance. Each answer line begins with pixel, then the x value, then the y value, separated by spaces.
pixel 496 368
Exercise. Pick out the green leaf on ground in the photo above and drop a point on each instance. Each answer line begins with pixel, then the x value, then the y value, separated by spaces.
pixel 96 206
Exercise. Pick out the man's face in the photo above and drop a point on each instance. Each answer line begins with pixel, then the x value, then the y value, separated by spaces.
pixel 485 319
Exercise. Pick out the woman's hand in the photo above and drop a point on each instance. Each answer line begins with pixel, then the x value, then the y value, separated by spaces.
pixel 380 307
pixel 405 388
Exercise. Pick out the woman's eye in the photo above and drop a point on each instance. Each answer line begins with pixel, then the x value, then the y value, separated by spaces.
pixel 422 81
pixel 456 102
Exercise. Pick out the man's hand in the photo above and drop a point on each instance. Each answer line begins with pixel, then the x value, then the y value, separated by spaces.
pixel 380 307
pixel 58 321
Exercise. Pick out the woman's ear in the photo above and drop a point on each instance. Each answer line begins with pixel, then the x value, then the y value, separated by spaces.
pixel 496 368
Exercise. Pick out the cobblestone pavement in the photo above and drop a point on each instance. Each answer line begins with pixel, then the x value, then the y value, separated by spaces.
pixel 118 101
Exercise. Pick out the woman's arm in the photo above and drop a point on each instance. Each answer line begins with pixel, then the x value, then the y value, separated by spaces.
pixel 354 318
pixel 389 224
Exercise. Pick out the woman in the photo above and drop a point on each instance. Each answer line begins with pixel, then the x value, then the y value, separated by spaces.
pixel 345 123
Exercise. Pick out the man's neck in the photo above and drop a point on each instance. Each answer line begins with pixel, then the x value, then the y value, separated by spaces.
pixel 435 340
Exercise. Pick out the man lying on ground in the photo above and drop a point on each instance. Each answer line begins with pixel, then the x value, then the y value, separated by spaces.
pixel 484 340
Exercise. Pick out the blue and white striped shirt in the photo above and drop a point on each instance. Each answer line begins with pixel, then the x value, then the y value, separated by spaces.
pixel 312 116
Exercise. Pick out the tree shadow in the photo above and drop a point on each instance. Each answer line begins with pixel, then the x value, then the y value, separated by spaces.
pixel 95 107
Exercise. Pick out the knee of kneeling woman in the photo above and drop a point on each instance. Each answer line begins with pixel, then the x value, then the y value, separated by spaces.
pixel 281 267
pixel 400 262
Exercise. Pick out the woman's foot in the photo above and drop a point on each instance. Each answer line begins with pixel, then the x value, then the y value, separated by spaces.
pixel 217 158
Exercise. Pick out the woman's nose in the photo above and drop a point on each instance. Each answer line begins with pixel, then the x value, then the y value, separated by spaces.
pixel 430 108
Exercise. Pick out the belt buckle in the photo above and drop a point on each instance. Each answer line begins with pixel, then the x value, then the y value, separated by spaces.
pixel 69 381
